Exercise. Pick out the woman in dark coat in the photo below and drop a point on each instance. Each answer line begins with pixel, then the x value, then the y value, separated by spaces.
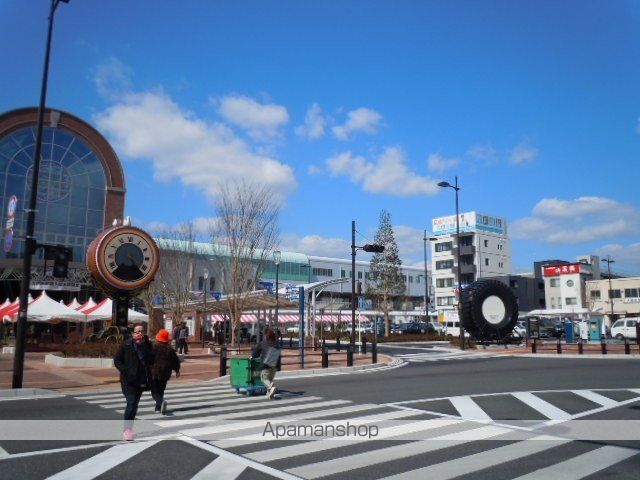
pixel 166 361
pixel 134 360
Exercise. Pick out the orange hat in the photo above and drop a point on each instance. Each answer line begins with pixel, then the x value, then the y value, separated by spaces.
pixel 163 336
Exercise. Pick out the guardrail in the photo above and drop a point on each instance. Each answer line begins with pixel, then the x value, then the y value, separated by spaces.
pixel 582 348
pixel 319 355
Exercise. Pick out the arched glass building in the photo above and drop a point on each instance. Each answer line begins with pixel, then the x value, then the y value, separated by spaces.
pixel 81 183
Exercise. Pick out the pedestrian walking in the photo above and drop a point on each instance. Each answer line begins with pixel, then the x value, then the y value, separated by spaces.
pixel 134 360
pixel 165 361
pixel 183 336
pixel 269 352
pixel 176 334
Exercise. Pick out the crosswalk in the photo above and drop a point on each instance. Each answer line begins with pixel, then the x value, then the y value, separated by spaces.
pixel 459 436
pixel 437 356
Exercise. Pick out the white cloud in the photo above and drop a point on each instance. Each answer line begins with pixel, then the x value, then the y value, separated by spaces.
pixel 522 154
pixel 360 120
pixel 314 123
pixel 627 258
pixel 638 126
pixel 410 241
pixel 151 126
pixel 484 152
pixel 260 121
pixel 316 245
pixel 314 170
pixel 570 222
pixel 389 174
pixel 437 163
pixel 112 78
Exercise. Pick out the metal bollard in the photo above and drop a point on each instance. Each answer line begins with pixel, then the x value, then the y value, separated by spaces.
pixel 349 355
pixel 223 361
pixel 279 364
pixel 315 344
pixel 290 341
pixel 325 357
pixel 374 352
pixel 337 344
pixel 559 346
pixel 534 347
pixel 627 347
pixel 580 347
pixel 364 346
pixel 603 346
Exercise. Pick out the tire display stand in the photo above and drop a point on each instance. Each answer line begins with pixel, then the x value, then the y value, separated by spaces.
pixel 488 310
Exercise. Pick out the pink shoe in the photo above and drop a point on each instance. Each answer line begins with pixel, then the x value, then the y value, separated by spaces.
pixel 128 435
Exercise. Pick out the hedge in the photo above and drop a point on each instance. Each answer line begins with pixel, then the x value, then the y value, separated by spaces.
pixel 91 350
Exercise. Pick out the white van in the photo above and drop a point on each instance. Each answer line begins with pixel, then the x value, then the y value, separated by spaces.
pixel 625 328
pixel 452 328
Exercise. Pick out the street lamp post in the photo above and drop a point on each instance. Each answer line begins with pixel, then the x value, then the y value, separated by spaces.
pixel 276 260
pixel 609 262
pixel 459 290
pixel 205 274
pixel 426 273
pixel 30 241
pixel 367 248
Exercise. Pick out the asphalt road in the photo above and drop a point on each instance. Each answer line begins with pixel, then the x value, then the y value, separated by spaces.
pixel 486 413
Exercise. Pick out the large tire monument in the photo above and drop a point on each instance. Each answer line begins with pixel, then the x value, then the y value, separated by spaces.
pixel 488 310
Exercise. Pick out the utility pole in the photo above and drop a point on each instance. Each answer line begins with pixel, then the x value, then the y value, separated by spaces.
pixel 609 262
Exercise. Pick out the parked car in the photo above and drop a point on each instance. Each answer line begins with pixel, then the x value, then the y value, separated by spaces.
pixel 293 329
pixel 625 328
pixel 452 329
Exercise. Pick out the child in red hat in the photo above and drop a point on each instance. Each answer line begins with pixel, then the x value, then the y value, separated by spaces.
pixel 166 360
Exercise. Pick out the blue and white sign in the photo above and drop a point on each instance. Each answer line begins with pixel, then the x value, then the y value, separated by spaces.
pixel 469 222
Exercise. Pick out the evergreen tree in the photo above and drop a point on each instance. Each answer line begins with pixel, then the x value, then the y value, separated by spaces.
pixel 386 280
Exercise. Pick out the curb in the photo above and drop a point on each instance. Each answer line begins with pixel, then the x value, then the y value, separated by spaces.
pixel 614 356
pixel 27 393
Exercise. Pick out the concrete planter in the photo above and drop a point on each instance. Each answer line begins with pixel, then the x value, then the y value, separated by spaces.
pixel 59 361
pixel 8 350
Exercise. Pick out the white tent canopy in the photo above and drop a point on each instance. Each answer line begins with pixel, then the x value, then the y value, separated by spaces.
pixel 45 309
pixel 104 311
pixel 74 304
pixel 87 305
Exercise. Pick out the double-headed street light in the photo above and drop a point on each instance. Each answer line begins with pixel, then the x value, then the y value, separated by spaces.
pixel 373 248
pixel 29 239
pixel 276 260
pixel 459 289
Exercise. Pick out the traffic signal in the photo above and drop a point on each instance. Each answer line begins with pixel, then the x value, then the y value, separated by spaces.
pixel 373 248
pixel 61 258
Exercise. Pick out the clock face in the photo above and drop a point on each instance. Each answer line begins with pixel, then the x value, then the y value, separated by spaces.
pixel 127 258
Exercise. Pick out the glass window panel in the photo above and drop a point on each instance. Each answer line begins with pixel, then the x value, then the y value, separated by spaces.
pixel 78 147
pixel 8 148
pixel 62 137
pixel 79 196
pixel 25 156
pixel 62 239
pixel 79 254
pixel 57 153
pixel 47 135
pixel 49 237
pixel 76 230
pixel 39 226
pixel 57 213
pixel 24 137
pixel 97 179
pixel 96 198
pixel 81 180
pixel 95 219
pixel 76 169
pixel 56 228
pixel 77 216
pixel 15 185
pixel 17 168
pixel 92 163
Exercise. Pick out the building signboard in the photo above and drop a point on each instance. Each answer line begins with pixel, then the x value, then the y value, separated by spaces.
pixel 469 222
pixel 570 269
pixel 11 212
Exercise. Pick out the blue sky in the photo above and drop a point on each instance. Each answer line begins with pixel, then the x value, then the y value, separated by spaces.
pixel 347 108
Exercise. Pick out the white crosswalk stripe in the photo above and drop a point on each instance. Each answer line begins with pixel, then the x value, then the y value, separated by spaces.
pixel 217 416
pixel 430 357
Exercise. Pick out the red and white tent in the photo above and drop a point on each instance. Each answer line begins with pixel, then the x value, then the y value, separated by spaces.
pixel 75 304
pixel 104 311
pixel 87 305
pixel 45 309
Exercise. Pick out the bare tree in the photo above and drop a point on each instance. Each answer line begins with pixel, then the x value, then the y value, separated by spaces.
pixel 243 237
pixel 177 271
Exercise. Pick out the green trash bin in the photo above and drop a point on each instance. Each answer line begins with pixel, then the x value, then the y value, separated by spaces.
pixel 245 375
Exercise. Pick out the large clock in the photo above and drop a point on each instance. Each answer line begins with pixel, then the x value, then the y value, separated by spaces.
pixel 123 259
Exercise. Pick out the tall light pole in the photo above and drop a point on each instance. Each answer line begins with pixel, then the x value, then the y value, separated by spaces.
pixel 205 274
pixel 426 274
pixel 367 248
pixel 276 260
pixel 30 241
pixel 459 290
pixel 609 262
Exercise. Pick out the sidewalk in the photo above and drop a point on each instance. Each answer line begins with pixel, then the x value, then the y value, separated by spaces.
pixel 198 365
